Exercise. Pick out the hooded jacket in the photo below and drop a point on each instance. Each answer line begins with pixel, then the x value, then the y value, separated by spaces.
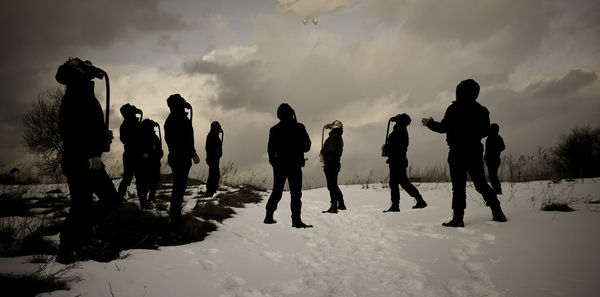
pixel 465 123
pixel 214 146
pixel 333 146
pixel 81 124
pixel 397 145
pixel 179 135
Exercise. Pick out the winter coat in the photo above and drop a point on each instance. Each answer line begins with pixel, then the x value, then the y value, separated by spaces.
pixel 333 146
pixel 130 134
pixel 214 146
pixel 151 145
pixel 494 144
pixel 179 136
pixel 288 141
pixel 397 145
pixel 465 123
pixel 81 125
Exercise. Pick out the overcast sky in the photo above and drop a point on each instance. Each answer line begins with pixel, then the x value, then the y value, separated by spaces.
pixel 537 62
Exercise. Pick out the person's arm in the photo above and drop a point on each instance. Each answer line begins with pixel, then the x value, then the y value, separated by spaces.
pixel 271 150
pixel 305 139
pixel 501 145
pixel 439 127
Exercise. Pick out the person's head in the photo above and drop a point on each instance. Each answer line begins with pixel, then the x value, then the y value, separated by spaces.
pixel 76 71
pixel 467 90
pixel 128 111
pixel 149 125
pixel 176 103
pixel 494 129
pixel 402 120
pixel 286 113
pixel 215 126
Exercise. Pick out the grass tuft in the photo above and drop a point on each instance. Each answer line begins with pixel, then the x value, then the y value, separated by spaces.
pixel 563 207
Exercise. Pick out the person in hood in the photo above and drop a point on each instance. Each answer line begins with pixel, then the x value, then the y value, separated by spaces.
pixel 397 145
pixel 179 135
pixel 214 151
pixel 84 135
pixel 465 123
pixel 331 153
pixel 494 145
pixel 130 134
pixel 288 141
pixel 149 169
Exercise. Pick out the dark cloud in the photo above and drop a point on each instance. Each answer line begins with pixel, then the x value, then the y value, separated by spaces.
pixel 40 35
pixel 540 112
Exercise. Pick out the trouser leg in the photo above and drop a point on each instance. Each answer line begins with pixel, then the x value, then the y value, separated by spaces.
pixel 394 183
pixel 475 169
pixel 406 184
pixel 295 182
pixel 279 177
pixel 214 175
pixel 128 171
pixel 77 224
pixel 331 175
pixel 180 170
pixel 458 176
pixel 493 174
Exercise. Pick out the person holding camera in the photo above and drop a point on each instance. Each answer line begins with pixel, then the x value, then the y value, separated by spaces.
pixel 85 137
pixel 396 147
pixel 179 135
pixel 288 141
pixel 465 123
pixel 130 134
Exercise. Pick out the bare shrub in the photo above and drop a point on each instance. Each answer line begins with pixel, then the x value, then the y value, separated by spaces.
pixel 578 153
pixel 41 135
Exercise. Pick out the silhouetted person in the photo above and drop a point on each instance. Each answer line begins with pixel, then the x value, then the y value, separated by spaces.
pixel 85 137
pixel 288 141
pixel 494 145
pixel 465 123
pixel 130 134
pixel 179 136
pixel 397 145
pixel 214 151
pixel 149 170
pixel 331 154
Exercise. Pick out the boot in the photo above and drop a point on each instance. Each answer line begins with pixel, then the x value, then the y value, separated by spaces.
pixel 269 218
pixel 457 219
pixel 297 222
pixel 341 205
pixel 497 214
pixel 420 203
pixel 332 208
pixel 395 207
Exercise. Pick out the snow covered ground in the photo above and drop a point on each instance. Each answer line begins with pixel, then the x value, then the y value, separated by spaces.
pixel 364 252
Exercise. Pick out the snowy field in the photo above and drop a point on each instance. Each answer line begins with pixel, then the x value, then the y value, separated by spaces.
pixel 364 252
